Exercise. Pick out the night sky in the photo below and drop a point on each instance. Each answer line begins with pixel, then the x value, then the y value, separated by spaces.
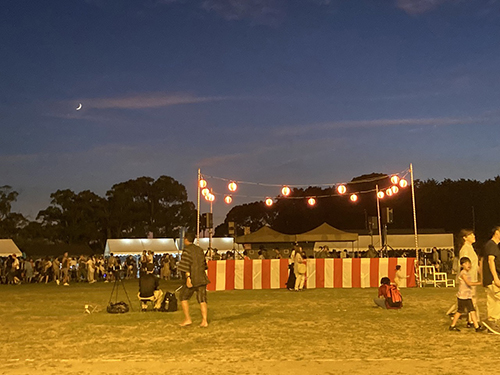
pixel 273 91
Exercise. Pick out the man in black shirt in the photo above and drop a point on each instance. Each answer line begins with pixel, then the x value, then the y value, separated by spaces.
pixel 193 267
pixel 149 288
pixel 491 280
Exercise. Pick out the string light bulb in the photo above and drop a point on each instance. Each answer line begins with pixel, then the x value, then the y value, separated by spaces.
pixel 395 189
pixel 203 183
pixel 380 195
pixel 228 199
pixel 341 189
pixel 210 197
pixel 388 192
pixel 269 202
pixel 353 198
pixel 232 186
pixel 403 183
pixel 394 179
pixel 205 192
pixel 311 201
pixel 285 191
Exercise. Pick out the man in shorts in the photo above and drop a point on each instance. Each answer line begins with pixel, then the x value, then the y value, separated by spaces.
pixel 193 270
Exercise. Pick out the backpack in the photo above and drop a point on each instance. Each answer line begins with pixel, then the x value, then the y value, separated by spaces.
pixel 169 302
pixel 117 308
pixel 394 297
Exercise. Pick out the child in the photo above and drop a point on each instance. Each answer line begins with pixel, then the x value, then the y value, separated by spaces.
pixel 389 296
pixel 464 296
pixel 400 277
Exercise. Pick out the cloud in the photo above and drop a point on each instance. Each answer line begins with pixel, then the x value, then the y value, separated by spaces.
pixel 268 12
pixel 140 101
pixel 439 121
pixel 419 6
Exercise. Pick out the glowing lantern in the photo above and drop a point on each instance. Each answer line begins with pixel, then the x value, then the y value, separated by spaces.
pixel 210 197
pixel 395 189
pixel 228 199
pixel 341 189
pixel 232 186
pixel 353 197
pixel 388 192
pixel 380 195
pixel 205 192
pixel 403 183
pixel 269 202
pixel 285 191
pixel 311 201
pixel 395 180
pixel 203 183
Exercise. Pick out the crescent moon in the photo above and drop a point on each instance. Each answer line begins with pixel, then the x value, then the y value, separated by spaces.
pixel 79 107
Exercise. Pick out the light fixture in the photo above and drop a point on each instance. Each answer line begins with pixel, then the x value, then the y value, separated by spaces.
pixel 228 199
pixel 311 201
pixel 205 192
pixel 232 186
pixel 395 179
pixel 403 183
pixel 353 197
pixel 395 189
pixel 380 195
pixel 203 183
pixel 269 202
pixel 285 191
pixel 341 189
pixel 210 197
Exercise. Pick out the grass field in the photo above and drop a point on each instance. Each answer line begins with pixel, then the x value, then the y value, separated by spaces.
pixel 323 331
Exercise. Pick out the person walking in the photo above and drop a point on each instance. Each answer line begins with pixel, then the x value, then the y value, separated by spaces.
pixel 193 270
pixel 300 269
pixel 491 280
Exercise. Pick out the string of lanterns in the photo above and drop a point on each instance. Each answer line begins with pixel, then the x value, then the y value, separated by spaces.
pixel 397 183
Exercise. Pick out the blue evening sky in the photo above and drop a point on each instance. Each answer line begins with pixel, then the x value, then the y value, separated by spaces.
pixel 272 91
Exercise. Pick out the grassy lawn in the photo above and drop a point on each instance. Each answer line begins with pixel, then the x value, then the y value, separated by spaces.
pixel 322 331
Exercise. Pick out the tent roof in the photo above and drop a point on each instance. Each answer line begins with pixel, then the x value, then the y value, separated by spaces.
pixel 325 232
pixel 265 234
pixel 8 247
pixel 130 246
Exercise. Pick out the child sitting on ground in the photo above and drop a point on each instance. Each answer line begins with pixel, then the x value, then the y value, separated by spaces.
pixel 389 296
pixel 464 296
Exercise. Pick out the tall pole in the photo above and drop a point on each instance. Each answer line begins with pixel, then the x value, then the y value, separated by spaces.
pixel 414 213
pixel 379 220
pixel 210 229
pixel 198 208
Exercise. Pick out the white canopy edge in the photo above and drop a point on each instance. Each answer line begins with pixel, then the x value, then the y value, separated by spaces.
pixel 8 247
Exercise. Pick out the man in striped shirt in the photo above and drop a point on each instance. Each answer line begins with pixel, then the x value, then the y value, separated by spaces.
pixel 192 267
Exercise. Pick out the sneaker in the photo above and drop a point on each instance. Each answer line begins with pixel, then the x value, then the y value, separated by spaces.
pixel 492 327
pixel 454 328
pixel 66 284
pixel 480 329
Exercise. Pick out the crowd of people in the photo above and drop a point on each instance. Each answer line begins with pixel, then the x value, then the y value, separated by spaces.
pixel 64 269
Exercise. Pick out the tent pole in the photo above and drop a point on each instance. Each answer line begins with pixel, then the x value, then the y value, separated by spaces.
pixel 414 214
pixel 379 220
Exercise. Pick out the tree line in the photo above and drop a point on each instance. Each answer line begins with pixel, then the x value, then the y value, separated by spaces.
pixel 134 208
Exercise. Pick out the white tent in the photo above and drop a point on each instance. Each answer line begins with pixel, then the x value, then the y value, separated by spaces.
pixel 222 244
pixel 8 247
pixel 135 246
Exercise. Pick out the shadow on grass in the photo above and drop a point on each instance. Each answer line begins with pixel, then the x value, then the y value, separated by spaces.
pixel 243 315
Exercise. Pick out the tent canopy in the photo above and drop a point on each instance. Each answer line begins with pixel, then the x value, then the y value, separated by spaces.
pixel 324 232
pixel 8 247
pixel 135 246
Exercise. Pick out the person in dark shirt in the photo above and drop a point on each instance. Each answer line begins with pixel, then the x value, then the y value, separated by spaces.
pixel 192 267
pixel 491 280
pixel 149 288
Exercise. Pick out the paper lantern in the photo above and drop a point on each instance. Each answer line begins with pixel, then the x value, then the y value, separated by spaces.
pixel 395 189
pixel 311 201
pixel 388 192
pixel 341 189
pixel 203 183
pixel 395 179
pixel 210 197
pixel 353 197
pixel 228 199
pixel 380 195
pixel 285 191
pixel 232 186
pixel 269 202
pixel 403 183
pixel 205 192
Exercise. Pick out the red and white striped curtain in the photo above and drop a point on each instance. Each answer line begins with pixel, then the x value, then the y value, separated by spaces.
pixel 321 273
